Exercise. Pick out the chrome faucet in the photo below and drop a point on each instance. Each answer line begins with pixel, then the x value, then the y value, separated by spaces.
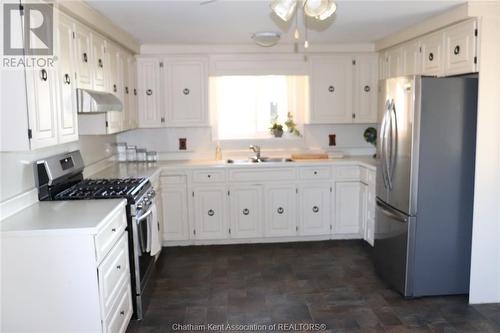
pixel 256 150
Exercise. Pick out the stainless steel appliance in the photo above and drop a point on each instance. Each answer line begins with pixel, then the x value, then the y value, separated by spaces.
pixel 425 183
pixel 89 101
pixel 60 177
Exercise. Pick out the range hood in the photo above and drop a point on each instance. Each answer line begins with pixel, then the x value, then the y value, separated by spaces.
pixel 96 101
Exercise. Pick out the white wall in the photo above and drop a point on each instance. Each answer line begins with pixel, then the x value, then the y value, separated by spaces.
pixel 200 145
pixel 16 170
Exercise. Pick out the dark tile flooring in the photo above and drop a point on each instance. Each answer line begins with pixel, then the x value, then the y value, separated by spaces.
pixel 331 283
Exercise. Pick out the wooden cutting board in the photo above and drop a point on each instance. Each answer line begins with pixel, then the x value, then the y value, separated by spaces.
pixel 309 156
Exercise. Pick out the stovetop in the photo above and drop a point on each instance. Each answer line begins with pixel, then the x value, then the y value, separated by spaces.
pixel 103 189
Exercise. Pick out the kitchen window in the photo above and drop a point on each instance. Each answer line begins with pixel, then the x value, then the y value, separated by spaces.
pixel 246 106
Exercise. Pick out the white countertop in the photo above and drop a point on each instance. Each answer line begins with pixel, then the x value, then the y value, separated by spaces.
pixel 141 169
pixel 68 217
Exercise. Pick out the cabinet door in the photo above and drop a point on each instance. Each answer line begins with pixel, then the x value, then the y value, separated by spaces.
pixel 114 118
pixel 412 58
pixel 67 119
pixel 365 89
pixel 347 208
pixel 98 62
pixel 149 93
pixel 245 204
pixel 132 95
pixel 363 210
pixel 331 88
pixel 432 54
pixel 460 48
pixel 125 89
pixel 280 210
pixel 314 209
pixel 210 212
pixel 175 213
pixel 82 58
pixel 394 66
pixel 186 100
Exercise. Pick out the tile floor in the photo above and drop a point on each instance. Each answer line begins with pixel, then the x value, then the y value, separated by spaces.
pixel 331 283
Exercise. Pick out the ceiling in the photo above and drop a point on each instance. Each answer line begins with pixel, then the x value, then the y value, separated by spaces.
pixel 234 21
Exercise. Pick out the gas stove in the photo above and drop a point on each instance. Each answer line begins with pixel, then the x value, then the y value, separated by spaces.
pixel 128 188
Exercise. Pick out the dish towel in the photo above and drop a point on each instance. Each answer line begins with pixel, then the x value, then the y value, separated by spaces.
pixel 155 244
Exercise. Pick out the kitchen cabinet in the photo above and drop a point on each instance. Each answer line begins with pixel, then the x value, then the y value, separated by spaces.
pixel 460 48
pixel 393 62
pixel 245 202
pixel 367 209
pixel 210 212
pixel 150 114
pixel 432 54
pixel 98 59
pixel 412 58
pixel 82 57
pixel 280 210
pixel 175 210
pixel 347 207
pixel 186 102
pixel 114 119
pixel 132 93
pixel 331 89
pixel 314 208
pixel 365 89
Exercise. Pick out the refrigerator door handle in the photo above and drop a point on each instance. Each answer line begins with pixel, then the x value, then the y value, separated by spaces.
pixel 393 144
pixel 388 144
pixel 383 147
pixel 391 212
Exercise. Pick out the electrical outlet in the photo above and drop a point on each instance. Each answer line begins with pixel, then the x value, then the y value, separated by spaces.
pixel 182 144
pixel 332 140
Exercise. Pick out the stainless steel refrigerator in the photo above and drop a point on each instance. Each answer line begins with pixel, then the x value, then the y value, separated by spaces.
pixel 425 184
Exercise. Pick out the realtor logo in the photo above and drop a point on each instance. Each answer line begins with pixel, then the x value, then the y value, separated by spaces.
pixel 28 29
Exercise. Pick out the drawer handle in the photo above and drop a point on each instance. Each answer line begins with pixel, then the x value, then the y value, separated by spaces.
pixel 280 210
pixel 456 51
pixel 122 313
pixel 366 88
pixel 185 91
pixel 119 267
pixel 315 209
pixel 431 56
pixel 114 229
pixel 211 212
pixel 331 88
pixel 149 92
pixel 246 211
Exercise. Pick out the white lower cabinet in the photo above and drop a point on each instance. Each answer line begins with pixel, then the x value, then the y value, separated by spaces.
pixel 347 208
pixel 315 204
pixel 210 212
pixel 245 205
pixel 280 210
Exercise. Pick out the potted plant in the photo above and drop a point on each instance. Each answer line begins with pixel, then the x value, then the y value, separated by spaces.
pixel 277 130
pixel 291 125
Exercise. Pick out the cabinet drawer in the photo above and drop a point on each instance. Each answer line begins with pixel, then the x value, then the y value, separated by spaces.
pixel 118 319
pixel 347 173
pixel 113 272
pixel 173 179
pixel 209 176
pixel 108 236
pixel 315 173
pixel 259 174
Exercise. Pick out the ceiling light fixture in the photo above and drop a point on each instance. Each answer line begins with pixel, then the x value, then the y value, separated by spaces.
pixel 266 38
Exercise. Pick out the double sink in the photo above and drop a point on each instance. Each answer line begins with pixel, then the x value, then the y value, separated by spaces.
pixel 253 160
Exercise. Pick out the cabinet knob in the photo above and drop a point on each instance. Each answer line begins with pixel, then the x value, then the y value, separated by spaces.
pixel 315 172
pixel 431 56
pixel 331 88
pixel 366 88
pixel 246 211
pixel 67 79
pixel 456 51
pixel 85 58
pixel 211 212
pixel 113 230
pixel 315 209
pixel 122 313
pixel 185 91
pixel 162 119
pixel 209 176
pixel 99 63
pixel 119 267
pixel 280 210
pixel 149 92
pixel 43 75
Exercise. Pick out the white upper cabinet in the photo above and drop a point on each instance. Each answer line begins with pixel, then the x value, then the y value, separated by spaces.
pixel 98 59
pixel 365 89
pixel 132 92
pixel 432 54
pixel 245 203
pixel 412 58
pixel 460 48
pixel 82 56
pixel 331 89
pixel 280 210
pixel 393 62
pixel 149 93
pixel 67 120
pixel 185 94
pixel 315 205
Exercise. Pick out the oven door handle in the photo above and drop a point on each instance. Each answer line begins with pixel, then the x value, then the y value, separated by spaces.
pixel 142 241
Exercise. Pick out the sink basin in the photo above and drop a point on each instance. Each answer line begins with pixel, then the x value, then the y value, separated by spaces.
pixel 261 160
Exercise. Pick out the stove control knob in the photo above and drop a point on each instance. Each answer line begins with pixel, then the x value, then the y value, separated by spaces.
pixel 139 205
